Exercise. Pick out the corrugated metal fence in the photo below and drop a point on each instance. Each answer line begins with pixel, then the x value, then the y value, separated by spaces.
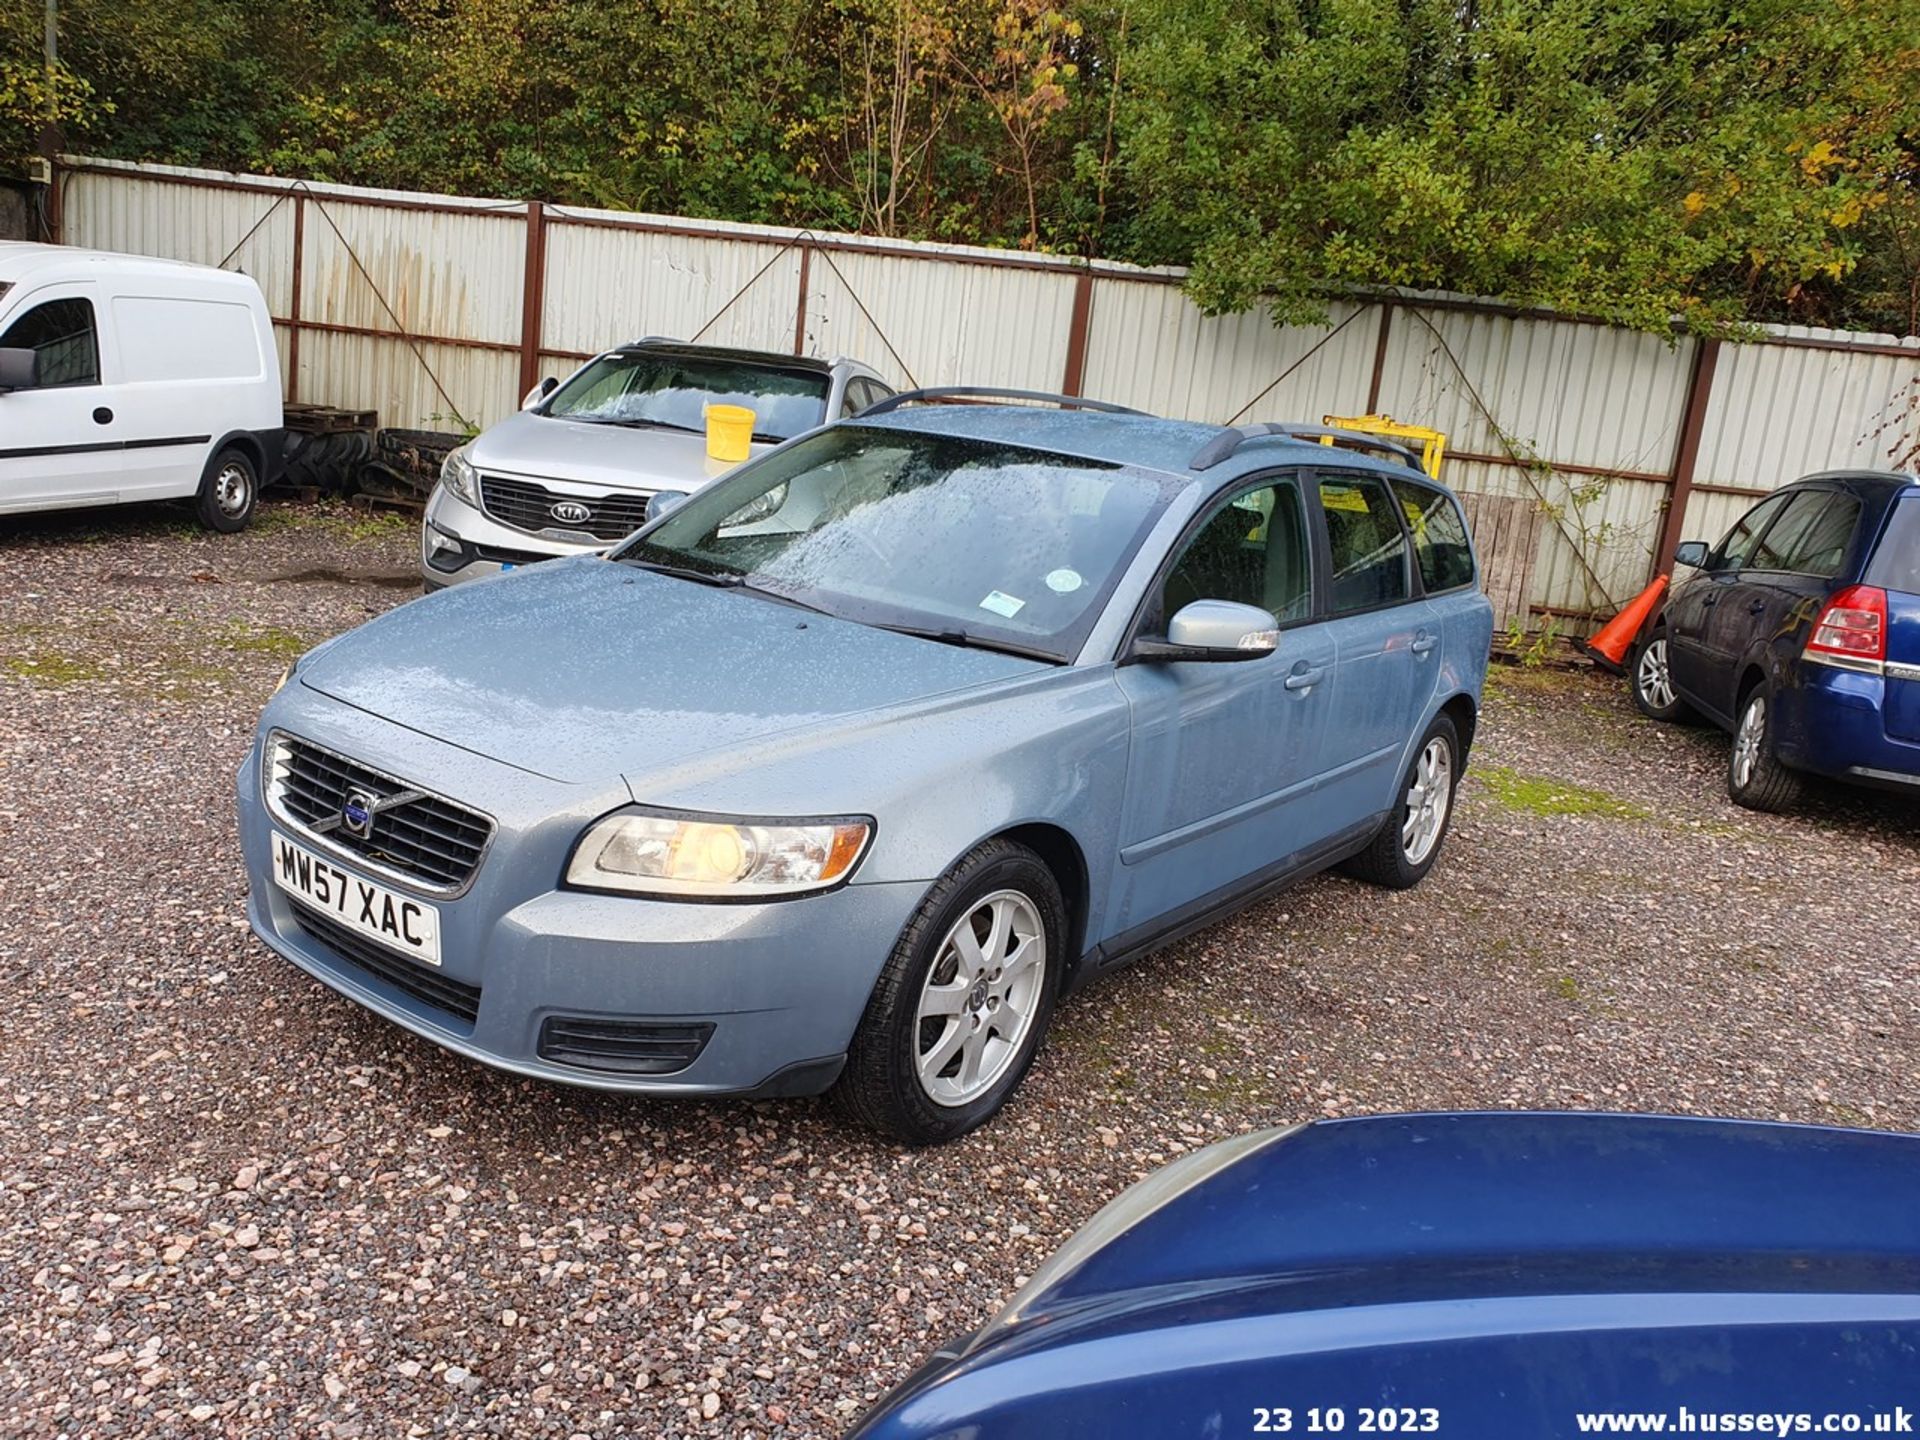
pixel 436 309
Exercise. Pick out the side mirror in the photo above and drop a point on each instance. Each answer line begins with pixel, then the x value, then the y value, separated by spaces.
pixel 1691 553
pixel 661 501
pixel 1214 630
pixel 19 370
pixel 539 392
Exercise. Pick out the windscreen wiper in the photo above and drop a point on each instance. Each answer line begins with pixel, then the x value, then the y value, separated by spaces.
pixel 653 425
pixel 967 640
pixel 723 579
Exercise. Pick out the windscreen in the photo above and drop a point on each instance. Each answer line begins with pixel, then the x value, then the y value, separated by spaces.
pixel 650 390
pixel 970 539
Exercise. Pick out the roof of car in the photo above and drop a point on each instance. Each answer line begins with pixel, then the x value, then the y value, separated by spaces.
pixel 23 260
pixel 774 358
pixel 1145 441
pixel 1868 484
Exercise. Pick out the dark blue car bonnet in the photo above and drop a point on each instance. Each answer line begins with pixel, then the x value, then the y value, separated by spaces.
pixel 1443 1260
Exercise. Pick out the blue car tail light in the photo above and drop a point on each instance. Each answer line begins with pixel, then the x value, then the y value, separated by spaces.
pixel 1853 625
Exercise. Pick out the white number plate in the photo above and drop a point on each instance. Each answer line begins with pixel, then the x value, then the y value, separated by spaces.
pixel 397 921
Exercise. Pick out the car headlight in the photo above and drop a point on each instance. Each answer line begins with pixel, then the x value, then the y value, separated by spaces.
pixel 457 474
pixel 638 853
pixel 760 507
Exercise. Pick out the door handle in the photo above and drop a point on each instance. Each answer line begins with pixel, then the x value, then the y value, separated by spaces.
pixel 1305 679
pixel 103 416
pixel 1422 643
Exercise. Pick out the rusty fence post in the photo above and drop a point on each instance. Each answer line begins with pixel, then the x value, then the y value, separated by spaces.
pixel 800 302
pixel 293 297
pixel 1079 326
pixel 1379 358
pixel 1693 419
pixel 533 297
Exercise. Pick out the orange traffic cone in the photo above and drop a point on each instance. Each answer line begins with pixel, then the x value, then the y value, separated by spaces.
pixel 1608 649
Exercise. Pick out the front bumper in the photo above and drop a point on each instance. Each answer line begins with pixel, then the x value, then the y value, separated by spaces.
pixel 781 984
pixel 1833 723
pixel 459 542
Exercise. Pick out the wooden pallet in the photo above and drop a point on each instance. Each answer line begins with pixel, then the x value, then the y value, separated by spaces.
pixel 1506 533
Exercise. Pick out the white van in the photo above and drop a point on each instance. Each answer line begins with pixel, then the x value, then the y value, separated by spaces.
pixel 126 378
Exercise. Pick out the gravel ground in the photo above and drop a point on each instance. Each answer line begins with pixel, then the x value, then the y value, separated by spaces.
pixel 237 1204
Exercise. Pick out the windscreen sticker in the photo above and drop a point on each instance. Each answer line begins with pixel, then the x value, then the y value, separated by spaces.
pixel 1001 604
pixel 1064 582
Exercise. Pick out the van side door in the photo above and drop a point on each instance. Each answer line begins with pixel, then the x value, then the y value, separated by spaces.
pixel 58 441
pixel 185 363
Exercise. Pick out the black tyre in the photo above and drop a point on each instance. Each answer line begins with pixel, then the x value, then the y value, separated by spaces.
pixel 1650 677
pixel 964 1000
pixel 228 492
pixel 1409 843
pixel 1755 777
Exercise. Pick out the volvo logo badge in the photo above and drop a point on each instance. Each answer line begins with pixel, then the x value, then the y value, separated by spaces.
pixel 571 512
pixel 357 812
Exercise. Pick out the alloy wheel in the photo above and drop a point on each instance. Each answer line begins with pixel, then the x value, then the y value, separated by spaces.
pixel 1655 675
pixel 1428 798
pixel 980 998
pixel 1749 740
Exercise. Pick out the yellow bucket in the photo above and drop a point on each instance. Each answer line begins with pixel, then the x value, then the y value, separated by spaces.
pixel 729 432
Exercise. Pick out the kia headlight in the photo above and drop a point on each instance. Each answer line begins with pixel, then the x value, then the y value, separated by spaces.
pixel 457 474
pixel 642 853
pixel 758 508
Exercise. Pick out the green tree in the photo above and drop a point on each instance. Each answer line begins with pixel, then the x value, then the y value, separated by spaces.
pixel 1633 159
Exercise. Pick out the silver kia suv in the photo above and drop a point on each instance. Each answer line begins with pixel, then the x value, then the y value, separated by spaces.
pixel 576 468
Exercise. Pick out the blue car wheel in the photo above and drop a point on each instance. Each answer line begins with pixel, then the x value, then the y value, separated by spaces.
pixel 1756 779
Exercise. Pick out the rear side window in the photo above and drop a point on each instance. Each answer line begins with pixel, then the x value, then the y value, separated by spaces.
pixel 61 333
pixel 1368 547
pixel 1439 532
pixel 164 338
pixel 1896 560
pixel 1811 536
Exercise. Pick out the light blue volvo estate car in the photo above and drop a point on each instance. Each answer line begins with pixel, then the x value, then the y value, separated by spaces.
pixel 838 775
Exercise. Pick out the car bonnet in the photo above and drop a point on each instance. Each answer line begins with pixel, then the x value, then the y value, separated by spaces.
pixel 581 670
pixel 622 457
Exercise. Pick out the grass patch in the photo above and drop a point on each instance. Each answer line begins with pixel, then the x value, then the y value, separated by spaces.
pixel 55 669
pixel 1544 795
pixel 265 640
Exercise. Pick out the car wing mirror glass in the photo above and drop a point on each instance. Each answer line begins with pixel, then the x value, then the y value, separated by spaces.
pixel 19 370
pixel 1692 554
pixel 539 392
pixel 1213 630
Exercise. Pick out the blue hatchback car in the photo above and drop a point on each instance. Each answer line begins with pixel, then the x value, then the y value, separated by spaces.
pixel 839 774
pixel 1523 1275
pixel 1800 633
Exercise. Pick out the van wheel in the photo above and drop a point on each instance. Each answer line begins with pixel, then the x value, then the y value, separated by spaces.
pixel 1755 777
pixel 1409 843
pixel 964 1000
pixel 228 492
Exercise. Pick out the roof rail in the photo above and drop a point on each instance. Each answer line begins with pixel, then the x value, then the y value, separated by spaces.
pixel 648 340
pixel 1230 439
pixel 991 392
